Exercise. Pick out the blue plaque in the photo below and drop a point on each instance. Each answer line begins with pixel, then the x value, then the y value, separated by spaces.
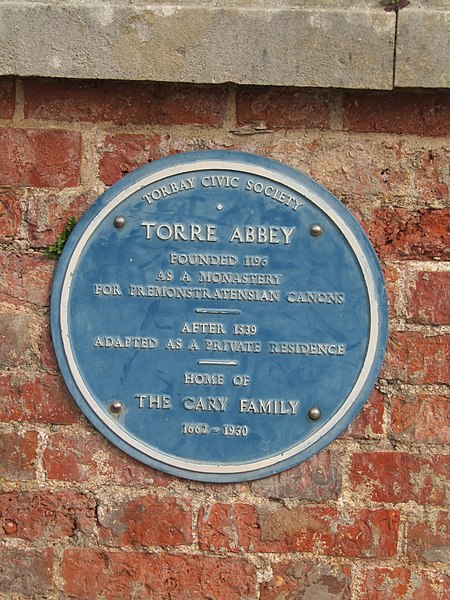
pixel 219 316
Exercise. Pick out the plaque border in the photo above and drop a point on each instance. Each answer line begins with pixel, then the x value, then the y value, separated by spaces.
pixel 252 165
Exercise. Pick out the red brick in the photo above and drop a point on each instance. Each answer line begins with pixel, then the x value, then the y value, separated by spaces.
pixel 428 171
pixel 33 157
pixel 125 103
pixel 396 173
pixel 18 455
pixel 17 346
pixel 399 477
pixel 414 357
pixel 91 574
pixel 47 352
pixel 404 415
pixel 429 299
pixel 10 216
pixel 399 234
pixel 427 537
pixel 26 572
pixel 323 530
pixel 368 423
pixel 391 275
pixel 318 478
pixel 84 457
pixel 420 418
pixel 395 583
pixel 303 579
pixel 415 113
pixel 220 526
pixel 27 278
pixel 283 107
pixel 41 399
pixel 48 214
pixel 125 153
pixel 7 97
pixel 43 515
pixel 146 521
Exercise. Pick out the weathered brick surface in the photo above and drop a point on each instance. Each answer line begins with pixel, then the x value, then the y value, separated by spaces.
pixel 82 458
pixel 27 278
pixel 415 357
pixel 363 519
pixel 283 108
pixel 429 299
pixel 416 113
pixel 428 537
pixel 37 158
pixel 18 455
pixel 369 422
pixel 392 583
pixel 399 477
pixel 125 153
pixel 392 282
pixel 306 579
pixel 400 234
pixel 43 398
pixel 26 573
pixel 18 332
pixel 45 515
pixel 10 216
pixel 421 418
pixel 316 479
pixel 365 173
pixel 133 522
pixel 121 154
pixel 94 574
pixel 325 531
pixel 125 102
pixel 47 354
pixel 47 214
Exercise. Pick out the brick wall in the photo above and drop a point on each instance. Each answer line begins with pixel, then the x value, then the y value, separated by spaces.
pixel 365 518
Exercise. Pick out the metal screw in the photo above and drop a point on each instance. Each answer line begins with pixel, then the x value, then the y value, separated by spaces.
pixel 115 407
pixel 119 222
pixel 314 413
pixel 316 230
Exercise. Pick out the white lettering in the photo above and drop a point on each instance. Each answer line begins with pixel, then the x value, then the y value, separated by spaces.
pixel 173 187
pixel 203 378
pixel 200 327
pixel 156 401
pixel 261 234
pixel 180 232
pixel 270 191
pixel 220 181
pixel 307 349
pixel 206 404
pixel 268 407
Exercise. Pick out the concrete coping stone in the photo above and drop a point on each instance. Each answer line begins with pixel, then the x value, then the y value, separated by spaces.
pixel 304 43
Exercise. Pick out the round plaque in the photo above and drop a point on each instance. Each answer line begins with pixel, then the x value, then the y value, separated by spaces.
pixel 219 316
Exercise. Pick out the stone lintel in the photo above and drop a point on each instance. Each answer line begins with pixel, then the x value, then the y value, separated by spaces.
pixel 423 47
pixel 338 44
pixel 304 43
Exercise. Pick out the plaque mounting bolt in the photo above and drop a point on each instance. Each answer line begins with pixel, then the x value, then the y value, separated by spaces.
pixel 316 230
pixel 116 407
pixel 119 222
pixel 314 413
